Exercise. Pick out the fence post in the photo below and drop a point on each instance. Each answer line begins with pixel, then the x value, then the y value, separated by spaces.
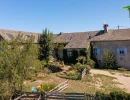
pixel 84 96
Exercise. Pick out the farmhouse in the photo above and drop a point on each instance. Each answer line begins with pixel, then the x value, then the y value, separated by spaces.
pixel 117 40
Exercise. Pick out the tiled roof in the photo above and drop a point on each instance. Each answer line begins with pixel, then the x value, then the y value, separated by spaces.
pixel 76 39
pixel 113 35
pixel 6 34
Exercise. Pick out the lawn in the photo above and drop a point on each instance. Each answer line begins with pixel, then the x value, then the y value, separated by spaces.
pixel 89 84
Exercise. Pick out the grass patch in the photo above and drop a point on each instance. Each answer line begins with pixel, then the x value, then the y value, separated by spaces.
pixel 113 73
pixel 105 76
pixel 108 83
pixel 126 75
pixel 89 84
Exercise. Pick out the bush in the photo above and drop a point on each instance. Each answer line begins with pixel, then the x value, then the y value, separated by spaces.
pixel 53 67
pixel 109 60
pixel 81 59
pixel 115 95
pixel 91 63
pixel 46 70
pixel 46 87
pixel 101 95
pixel 79 67
pixel 75 76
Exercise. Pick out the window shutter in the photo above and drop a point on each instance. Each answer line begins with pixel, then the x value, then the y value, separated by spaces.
pixel 117 51
pixel 125 51
pixel 98 51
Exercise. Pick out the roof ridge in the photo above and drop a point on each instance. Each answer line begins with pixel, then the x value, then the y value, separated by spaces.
pixel 20 31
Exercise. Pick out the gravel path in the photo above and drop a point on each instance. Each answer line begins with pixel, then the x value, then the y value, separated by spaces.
pixel 125 81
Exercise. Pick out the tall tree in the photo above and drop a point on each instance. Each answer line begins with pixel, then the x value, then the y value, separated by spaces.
pixel 46 44
pixel 18 61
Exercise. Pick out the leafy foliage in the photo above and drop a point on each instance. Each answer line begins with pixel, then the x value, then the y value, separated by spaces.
pixel 46 87
pixel 46 44
pixel 91 63
pixel 80 67
pixel 109 60
pixel 18 61
pixel 83 52
pixel 53 67
pixel 115 95
pixel 57 48
pixel 71 76
pixel 65 55
pixel 81 59
pixel 93 57
pixel 74 56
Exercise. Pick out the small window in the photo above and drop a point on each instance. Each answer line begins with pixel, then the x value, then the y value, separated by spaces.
pixel 96 51
pixel 89 37
pixel 121 51
pixel 70 53
pixel 9 35
pixel 71 38
pixel 28 36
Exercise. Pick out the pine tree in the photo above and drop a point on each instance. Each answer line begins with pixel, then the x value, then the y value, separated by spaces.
pixel 46 44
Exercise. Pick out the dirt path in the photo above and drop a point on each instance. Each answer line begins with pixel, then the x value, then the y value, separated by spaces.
pixel 124 80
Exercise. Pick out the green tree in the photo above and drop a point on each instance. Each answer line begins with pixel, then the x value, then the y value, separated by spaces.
pixel 18 61
pixel 58 47
pixel 46 44
pixel 109 60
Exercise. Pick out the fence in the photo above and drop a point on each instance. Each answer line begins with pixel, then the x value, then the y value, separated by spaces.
pixel 56 96
pixel 61 87
pixel 84 72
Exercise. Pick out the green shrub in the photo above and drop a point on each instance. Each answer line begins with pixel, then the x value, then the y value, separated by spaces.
pixel 53 67
pixel 79 67
pixel 76 76
pixel 109 60
pixel 81 59
pixel 101 95
pixel 46 70
pixel 115 95
pixel 46 87
pixel 82 52
pixel 91 63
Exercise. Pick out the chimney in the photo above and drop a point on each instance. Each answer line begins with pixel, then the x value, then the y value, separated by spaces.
pixel 105 28
pixel 60 33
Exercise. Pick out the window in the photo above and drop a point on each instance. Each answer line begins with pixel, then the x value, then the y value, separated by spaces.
pixel 9 35
pixel 89 37
pixel 70 38
pixel 28 36
pixel 70 53
pixel 96 51
pixel 121 50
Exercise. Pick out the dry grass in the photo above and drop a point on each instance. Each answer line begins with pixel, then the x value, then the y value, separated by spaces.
pixel 89 84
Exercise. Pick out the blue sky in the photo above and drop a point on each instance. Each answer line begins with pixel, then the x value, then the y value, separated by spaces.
pixel 63 15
